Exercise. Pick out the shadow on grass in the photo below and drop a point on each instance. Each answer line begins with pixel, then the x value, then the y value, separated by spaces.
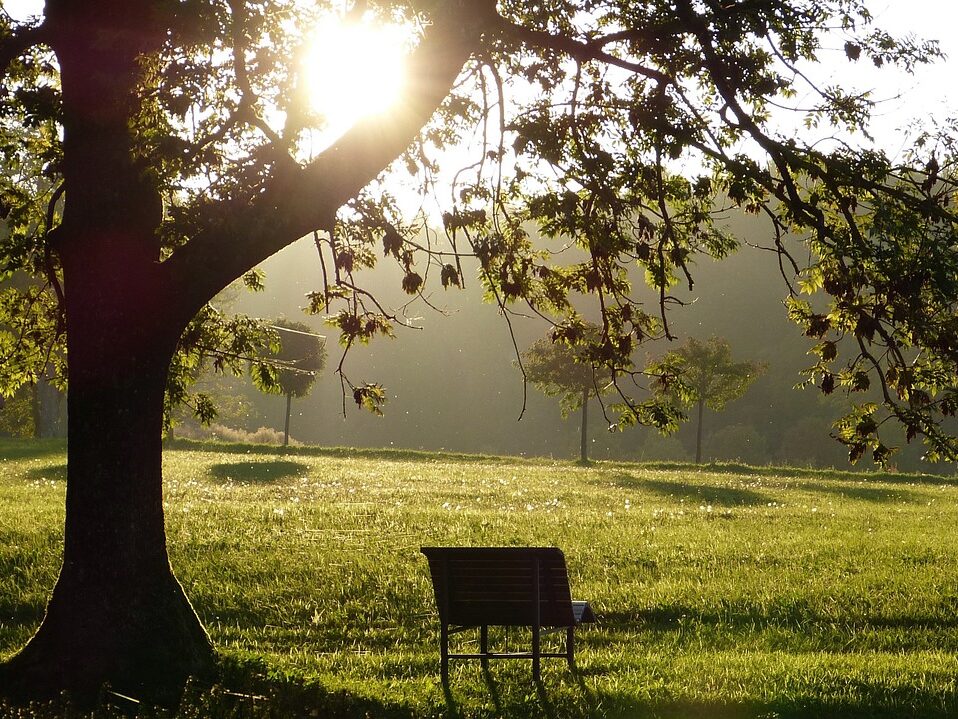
pixel 56 472
pixel 723 496
pixel 258 472
pixel 20 615
pixel 807 473
pixel 798 616
pixel 17 449
pixel 863 492
pixel 617 705
pixel 252 689
pixel 394 455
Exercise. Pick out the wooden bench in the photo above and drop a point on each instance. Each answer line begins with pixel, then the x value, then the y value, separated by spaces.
pixel 505 587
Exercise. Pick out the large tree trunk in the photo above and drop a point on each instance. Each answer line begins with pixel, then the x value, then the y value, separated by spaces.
pixel 117 614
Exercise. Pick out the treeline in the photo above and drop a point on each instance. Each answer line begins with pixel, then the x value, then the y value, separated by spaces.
pixel 453 384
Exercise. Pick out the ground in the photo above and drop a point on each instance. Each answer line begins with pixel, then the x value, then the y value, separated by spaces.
pixel 728 591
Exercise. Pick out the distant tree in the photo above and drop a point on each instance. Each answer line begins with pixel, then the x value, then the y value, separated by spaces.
pixel 560 370
pixel 16 414
pixel 301 356
pixel 49 408
pixel 710 378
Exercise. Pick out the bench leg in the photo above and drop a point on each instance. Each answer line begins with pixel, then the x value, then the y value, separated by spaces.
pixel 570 646
pixel 536 650
pixel 484 644
pixel 444 653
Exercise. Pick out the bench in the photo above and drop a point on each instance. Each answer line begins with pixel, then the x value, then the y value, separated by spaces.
pixel 479 587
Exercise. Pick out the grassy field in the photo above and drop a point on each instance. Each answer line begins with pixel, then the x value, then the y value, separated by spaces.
pixel 721 592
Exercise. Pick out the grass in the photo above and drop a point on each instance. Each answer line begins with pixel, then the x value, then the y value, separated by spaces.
pixel 728 591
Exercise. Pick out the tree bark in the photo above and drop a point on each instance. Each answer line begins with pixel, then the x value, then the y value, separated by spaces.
pixel 584 439
pixel 698 433
pixel 117 615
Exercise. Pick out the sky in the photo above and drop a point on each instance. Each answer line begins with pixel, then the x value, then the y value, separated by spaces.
pixel 930 93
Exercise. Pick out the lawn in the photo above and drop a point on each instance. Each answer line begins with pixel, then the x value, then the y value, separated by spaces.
pixel 725 591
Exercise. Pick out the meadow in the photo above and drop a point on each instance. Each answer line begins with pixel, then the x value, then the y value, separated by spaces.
pixel 721 591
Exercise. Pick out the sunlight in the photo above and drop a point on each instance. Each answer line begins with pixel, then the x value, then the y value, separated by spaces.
pixel 355 69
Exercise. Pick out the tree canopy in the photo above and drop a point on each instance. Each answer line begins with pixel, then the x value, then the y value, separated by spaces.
pixel 709 377
pixel 558 370
pixel 154 151
pixel 301 356
pixel 565 371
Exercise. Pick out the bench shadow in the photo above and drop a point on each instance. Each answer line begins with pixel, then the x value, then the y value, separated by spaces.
pixel 723 496
pixel 452 706
pixel 247 688
pixel 492 687
pixel 547 706
pixel 258 472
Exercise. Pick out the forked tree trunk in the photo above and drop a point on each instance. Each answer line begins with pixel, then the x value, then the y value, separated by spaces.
pixel 117 615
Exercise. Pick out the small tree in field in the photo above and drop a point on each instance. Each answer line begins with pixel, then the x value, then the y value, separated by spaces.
pixel 559 370
pixel 301 357
pixel 711 379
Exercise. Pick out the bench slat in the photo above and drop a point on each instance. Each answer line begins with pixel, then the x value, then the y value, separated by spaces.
pixel 496 585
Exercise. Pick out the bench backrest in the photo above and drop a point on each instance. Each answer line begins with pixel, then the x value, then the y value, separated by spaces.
pixel 499 586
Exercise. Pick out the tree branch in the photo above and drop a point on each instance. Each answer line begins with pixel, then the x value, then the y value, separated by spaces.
pixel 18 42
pixel 582 51
pixel 300 199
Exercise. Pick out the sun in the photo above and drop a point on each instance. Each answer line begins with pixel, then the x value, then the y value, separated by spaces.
pixel 355 69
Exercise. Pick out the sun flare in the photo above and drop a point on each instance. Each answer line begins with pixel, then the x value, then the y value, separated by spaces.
pixel 355 69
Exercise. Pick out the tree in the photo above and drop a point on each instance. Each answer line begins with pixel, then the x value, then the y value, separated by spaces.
pixel 563 371
pixel 154 151
pixel 709 378
pixel 301 357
